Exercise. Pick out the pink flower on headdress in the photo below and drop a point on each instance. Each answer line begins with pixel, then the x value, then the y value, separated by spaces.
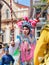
pixel 30 20
pixel 19 24
pixel 25 18
pixel 33 22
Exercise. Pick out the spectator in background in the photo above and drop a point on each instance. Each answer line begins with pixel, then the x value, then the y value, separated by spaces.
pixel 7 59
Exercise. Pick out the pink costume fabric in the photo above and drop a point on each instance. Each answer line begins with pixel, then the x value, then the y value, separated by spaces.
pixel 27 51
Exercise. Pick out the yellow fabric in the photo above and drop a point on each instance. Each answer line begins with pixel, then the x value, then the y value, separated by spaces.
pixel 47 1
pixel 41 45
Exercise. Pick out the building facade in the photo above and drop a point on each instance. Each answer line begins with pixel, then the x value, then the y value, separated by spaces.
pixel 20 11
pixel 7 21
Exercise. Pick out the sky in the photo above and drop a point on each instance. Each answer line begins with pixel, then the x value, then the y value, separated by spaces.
pixel 24 2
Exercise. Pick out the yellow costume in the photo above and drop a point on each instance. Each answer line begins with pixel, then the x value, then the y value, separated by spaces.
pixel 42 44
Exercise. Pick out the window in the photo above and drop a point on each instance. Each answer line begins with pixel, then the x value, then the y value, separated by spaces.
pixel 37 32
pixel 38 10
pixel 11 35
pixel 7 13
pixel 38 28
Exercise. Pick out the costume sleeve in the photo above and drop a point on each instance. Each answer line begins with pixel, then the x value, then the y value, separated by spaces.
pixel 18 41
pixel 44 38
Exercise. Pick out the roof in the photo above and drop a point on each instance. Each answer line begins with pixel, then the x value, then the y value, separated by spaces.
pixel 21 6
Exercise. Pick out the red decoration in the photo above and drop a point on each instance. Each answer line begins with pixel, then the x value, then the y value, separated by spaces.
pixel 25 18
pixel 34 22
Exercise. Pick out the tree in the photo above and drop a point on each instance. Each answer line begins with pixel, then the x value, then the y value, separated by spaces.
pixel 44 0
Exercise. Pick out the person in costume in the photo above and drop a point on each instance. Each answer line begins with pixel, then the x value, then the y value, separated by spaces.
pixel 41 53
pixel 25 37
pixel 7 59
pixel 26 44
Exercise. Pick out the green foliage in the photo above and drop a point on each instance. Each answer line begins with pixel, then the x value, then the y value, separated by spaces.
pixel 43 0
pixel 37 6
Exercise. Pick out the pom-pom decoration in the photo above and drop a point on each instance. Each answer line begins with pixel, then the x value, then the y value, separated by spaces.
pixel 25 18
pixel 33 22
